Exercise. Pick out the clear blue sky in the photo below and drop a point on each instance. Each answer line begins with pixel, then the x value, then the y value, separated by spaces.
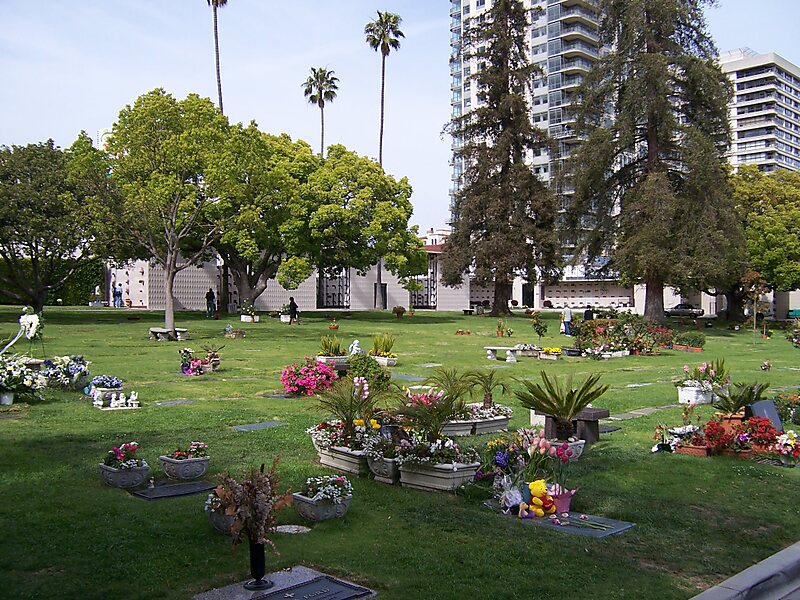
pixel 72 65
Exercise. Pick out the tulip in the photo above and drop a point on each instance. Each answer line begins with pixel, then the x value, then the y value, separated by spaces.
pixel 552 451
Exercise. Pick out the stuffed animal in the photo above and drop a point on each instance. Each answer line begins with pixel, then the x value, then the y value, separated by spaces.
pixel 541 503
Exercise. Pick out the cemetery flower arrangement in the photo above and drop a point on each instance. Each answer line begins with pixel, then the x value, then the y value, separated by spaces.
pixel 189 364
pixel 788 445
pixel 506 456
pixel 330 345
pixel 787 405
pixel 307 379
pixel 560 465
pixel 705 375
pixel 17 378
pixel 441 451
pixel 761 431
pixel 378 447
pixel 105 381
pixel 741 441
pixel 363 365
pixel 194 450
pixel 327 433
pixel 480 412
pixel 553 350
pixel 382 346
pixel 716 437
pixel 124 457
pixel 249 309
pixel 31 324
pixel 65 370
pixel 328 489
pixel 352 404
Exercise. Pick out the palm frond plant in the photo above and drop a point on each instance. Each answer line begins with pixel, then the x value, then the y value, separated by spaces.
pixel 731 402
pixel 455 385
pixel 426 412
pixel 485 382
pixel 350 401
pixel 382 345
pixel 331 345
pixel 562 401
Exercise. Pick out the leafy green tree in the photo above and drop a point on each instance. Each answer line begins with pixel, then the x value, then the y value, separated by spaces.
pixel 321 87
pixel 259 180
pixel 215 4
pixel 653 178
pixel 162 149
pixel 46 233
pixel 504 215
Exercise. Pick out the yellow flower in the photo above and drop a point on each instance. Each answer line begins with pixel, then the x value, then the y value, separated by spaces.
pixel 374 424
pixel 358 422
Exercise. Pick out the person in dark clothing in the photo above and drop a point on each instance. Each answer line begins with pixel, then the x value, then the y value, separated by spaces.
pixel 211 303
pixel 292 310
pixel 588 315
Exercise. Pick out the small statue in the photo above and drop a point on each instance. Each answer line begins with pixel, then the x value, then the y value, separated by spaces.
pixel 134 399
pixel 510 356
pixel 355 348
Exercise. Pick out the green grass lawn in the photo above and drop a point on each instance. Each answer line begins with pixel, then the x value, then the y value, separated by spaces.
pixel 66 534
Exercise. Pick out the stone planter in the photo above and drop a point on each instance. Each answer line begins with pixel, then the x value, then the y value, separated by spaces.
pixel 491 425
pixel 344 459
pixel 107 392
pixel 6 398
pixel 188 468
pixel 694 395
pixel 529 353
pixel 123 478
pixel 576 447
pixel 445 477
pixel 220 521
pixel 543 356
pixel 385 361
pixel 286 319
pixel 320 511
pixel 692 450
pixel 248 319
pixel 682 348
pixel 384 469
pixel 337 362
pixel 458 428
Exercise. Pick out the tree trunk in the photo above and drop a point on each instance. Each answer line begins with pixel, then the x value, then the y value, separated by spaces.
pixel 654 299
pixel 38 300
pixel 488 402
pixel 734 306
pixel 216 54
pixel 321 131
pixel 564 430
pixel 169 308
pixel 502 294
pixel 383 87
pixel 249 285
pixel 380 300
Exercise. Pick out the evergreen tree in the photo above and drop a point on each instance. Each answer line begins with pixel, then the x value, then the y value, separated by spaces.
pixel 653 176
pixel 503 218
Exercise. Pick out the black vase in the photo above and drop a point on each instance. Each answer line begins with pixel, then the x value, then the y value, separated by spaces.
pixel 257 569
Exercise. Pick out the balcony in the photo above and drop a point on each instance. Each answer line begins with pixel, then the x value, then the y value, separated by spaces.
pixel 579 14
pixel 579 31
pixel 576 65
pixel 579 48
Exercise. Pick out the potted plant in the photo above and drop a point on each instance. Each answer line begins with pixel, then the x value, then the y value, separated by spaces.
pixel 212 355
pixel 286 316
pixel 248 313
pixel 234 334
pixel 332 352
pixel 731 403
pixel 689 341
pixel 333 325
pixel 562 495
pixel 717 439
pixel 501 328
pixel 253 502
pixel 762 434
pixel 216 507
pixel 105 385
pixel 307 379
pixel 190 463
pixel 191 365
pixel 561 403
pixel 66 371
pixel 398 311
pixel 660 435
pixel 17 380
pixel 487 415
pixel 439 465
pixel 381 451
pixel 453 388
pixel 324 497
pixel 740 446
pixel 121 468
pixel 551 353
pixel 695 445
pixel 698 384
pixel 382 350
pixel 368 367
pixel 787 447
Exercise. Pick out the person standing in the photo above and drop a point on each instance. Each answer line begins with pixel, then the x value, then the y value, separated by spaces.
pixel 566 317
pixel 588 314
pixel 211 303
pixel 292 310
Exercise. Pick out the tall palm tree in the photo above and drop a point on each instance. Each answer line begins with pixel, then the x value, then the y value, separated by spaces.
pixel 321 87
pixel 215 4
pixel 383 34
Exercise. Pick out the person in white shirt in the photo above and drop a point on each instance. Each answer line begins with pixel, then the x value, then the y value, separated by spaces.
pixel 566 317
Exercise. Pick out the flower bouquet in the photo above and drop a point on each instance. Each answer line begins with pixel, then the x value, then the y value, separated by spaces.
pixel 16 379
pixel 66 371
pixel 787 447
pixel 191 365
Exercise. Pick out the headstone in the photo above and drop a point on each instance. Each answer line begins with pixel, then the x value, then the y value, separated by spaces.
pixel 173 490
pixel 764 408
pixel 173 403
pixel 292 529
pixel 257 426
pixel 403 377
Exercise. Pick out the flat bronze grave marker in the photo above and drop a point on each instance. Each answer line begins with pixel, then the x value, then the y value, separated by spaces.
pixel 320 588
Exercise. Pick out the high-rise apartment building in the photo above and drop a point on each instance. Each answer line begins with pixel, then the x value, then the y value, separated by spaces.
pixel 765 110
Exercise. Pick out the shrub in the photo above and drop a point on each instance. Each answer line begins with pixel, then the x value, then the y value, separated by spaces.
pixel 363 365
pixel 696 339
pixel 787 408
pixel 307 379
pixel 398 311
pixel 382 345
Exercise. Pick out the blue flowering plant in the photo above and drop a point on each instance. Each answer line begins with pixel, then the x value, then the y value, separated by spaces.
pixel 66 371
pixel 106 381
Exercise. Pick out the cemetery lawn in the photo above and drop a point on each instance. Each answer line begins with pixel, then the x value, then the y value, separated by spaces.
pixel 66 534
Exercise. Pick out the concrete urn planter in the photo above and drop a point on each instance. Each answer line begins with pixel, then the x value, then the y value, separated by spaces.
pixel 440 478
pixel 220 521
pixel 385 361
pixel 458 428
pixel 187 468
pixel 123 478
pixel 385 470
pixel 344 459
pixel 694 395
pixel 337 362
pixel 314 510
pixel 6 398
pixel 491 425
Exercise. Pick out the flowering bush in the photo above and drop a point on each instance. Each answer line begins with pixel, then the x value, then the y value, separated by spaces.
pixel 329 489
pixel 17 378
pixel 788 445
pixel 716 437
pixel 761 431
pixel 787 405
pixel 65 371
pixel 307 379
pixel 124 457
pixel 705 375
pixel 195 450
pixel 105 381
pixel 333 433
pixel 442 451
pixel 363 365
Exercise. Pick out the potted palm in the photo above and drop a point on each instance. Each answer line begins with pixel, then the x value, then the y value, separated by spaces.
pixel 731 403
pixel 253 502
pixel 561 404
pixel 454 386
pixel 488 416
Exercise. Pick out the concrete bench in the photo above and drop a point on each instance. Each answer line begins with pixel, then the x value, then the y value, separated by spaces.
pixel 586 424
pixel 162 335
pixel 491 352
pixel 468 311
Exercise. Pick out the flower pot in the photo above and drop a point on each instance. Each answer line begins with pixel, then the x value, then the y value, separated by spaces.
pixel 6 398
pixel 694 395
pixel 286 319
pixel 385 361
pixel 457 428
pixel 563 501
pixel 499 334
pixel 107 392
pixel 246 318
pixel 491 425
pixel 692 450
pixel 123 478
pixel 344 459
pixel 333 327
pixel 543 356
pixel 384 469
pixel 443 477
pixel 576 447
pixel 257 569
pixel 742 454
pixel 789 461
pixel 730 422
pixel 220 521
pixel 682 348
pixel 314 510
pixel 187 468
pixel 337 362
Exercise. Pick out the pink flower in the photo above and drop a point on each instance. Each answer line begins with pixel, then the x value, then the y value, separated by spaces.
pixel 685 368
pixel 584 517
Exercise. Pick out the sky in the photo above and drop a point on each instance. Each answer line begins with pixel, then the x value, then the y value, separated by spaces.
pixel 72 65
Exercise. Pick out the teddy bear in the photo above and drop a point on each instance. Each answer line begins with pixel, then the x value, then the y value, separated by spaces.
pixel 541 503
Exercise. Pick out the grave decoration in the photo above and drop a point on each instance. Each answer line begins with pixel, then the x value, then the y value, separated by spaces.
pixel 620 336
pixel 382 350
pixel 17 380
pixel 699 384
pixel 188 463
pixel 115 400
pixel 309 378
pixel 191 365
pixel 66 371
pixel 122 468
pixel 324 497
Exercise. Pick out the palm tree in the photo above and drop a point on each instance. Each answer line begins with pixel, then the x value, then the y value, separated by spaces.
pixel 383 34
pixel 215 4
pixel 321 87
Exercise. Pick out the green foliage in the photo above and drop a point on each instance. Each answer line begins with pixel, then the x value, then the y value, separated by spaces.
pixel 455 385
pixel 504 215
pixel 484 382
pixel 382 344
pixel 696 339
pixel 363 365
pixel 329 345
pixel 732 401
pixel 347 402
pixel 321 87
pixel 398 311
pixel 539 326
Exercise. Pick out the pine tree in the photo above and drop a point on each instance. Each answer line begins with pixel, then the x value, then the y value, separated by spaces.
pixel 653 176
pixel 503 218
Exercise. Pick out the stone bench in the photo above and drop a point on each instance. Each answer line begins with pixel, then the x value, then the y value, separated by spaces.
pixel 468 311
pixel 491 352
pixel 162 335
pixel 586 424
